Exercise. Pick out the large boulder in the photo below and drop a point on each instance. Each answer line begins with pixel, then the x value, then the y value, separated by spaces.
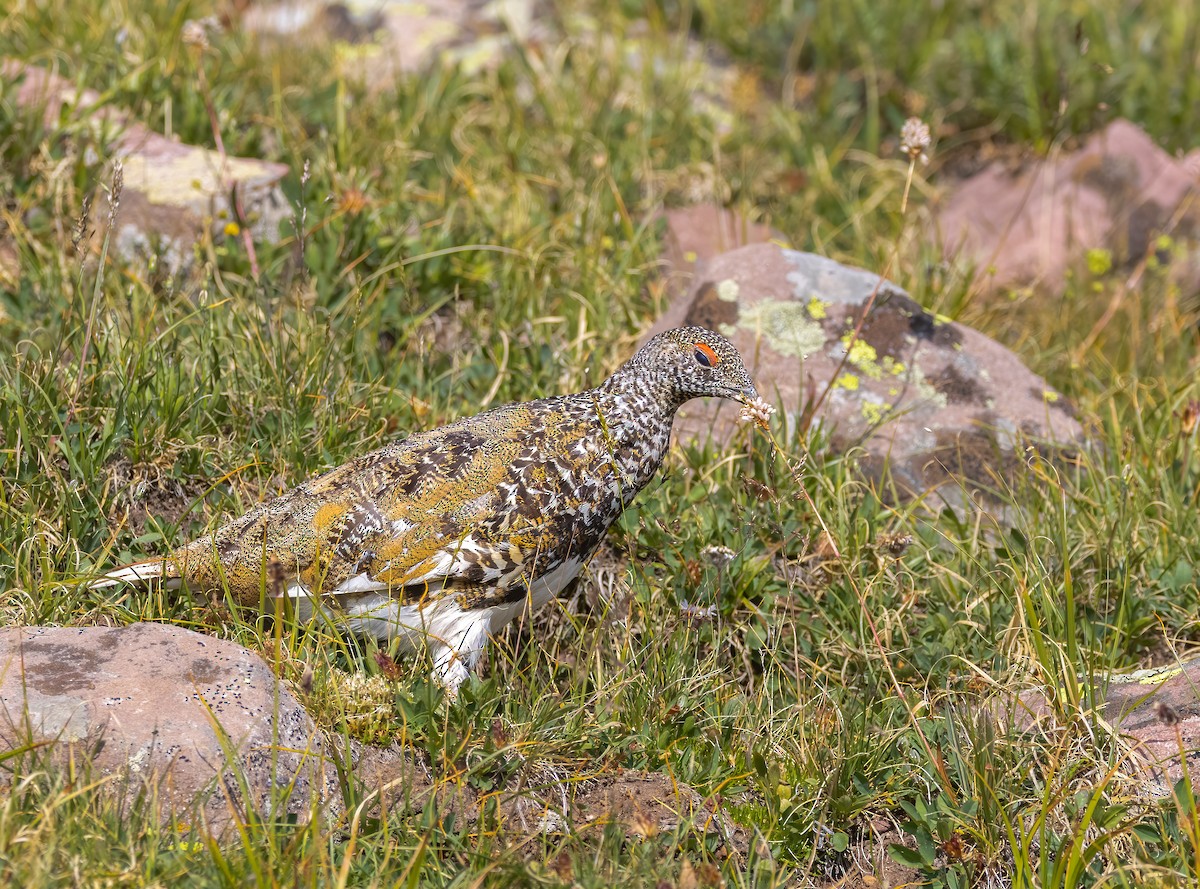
pixel 928 399
pixel 202 720
pixel 205 724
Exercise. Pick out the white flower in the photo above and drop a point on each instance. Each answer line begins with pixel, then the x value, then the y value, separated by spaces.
pixel 757 412
pixel 195 32
pixel 915 138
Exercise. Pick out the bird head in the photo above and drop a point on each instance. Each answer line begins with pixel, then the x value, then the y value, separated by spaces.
pixel 697 362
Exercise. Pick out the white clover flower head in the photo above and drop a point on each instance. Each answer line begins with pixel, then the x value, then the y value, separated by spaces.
pixel 718 555
pixel 915 138
pixel 697 613
pixel 195 32
pixel 757 412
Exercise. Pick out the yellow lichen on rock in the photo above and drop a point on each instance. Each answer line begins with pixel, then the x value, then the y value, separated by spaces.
pixel 875 412
pixel 189 177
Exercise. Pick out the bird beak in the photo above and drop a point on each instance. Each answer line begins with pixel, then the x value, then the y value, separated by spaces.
pixel 747 395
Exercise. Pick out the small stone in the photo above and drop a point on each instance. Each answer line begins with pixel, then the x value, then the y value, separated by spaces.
pixel 697 233
pixel 1155 711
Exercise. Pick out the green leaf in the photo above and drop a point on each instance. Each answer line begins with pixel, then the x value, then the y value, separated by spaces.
pixel 906 856
pixel 1147 833
pixel 927 848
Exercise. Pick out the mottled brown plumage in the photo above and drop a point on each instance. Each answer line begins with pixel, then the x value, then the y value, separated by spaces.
pixel 443 536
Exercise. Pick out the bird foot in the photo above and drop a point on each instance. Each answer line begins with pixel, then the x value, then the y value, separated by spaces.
pixel 450 671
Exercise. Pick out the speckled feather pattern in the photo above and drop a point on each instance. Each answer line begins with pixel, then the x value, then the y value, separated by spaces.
pixel 476 511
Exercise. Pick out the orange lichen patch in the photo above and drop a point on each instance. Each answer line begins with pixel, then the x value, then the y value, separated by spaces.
pixel 327 515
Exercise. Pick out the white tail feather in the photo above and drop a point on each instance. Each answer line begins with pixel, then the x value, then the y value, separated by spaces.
pixel 138 574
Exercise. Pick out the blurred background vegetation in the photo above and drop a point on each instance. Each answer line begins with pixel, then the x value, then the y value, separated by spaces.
pixel 829 702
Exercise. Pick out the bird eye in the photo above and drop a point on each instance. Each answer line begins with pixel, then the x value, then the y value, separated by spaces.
pixel 705 355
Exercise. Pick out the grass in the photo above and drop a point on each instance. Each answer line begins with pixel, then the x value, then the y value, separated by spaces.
pixel 193 395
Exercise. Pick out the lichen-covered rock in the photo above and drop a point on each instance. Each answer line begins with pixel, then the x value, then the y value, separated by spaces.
pixel 159 705
pixel 1155 711
pixel 173 192
pixel 931 400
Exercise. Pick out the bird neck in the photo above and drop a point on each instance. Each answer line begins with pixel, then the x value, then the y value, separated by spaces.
pixel 636 412
pixel 644 389
pixel 634 402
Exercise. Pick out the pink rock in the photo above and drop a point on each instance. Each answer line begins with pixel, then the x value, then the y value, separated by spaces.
pixel 153 704
pixel 206 724
pixel 700 232
pixel 1027 227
